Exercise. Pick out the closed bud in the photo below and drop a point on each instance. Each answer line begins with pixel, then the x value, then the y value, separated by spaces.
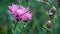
pixel 53 10
pixel 48 24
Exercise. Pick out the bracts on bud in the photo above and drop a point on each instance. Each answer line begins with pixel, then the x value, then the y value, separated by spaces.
pixel 48 24
pixel 52 11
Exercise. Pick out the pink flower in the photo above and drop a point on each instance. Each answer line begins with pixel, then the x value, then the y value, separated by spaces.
pixel 27 16
pixel 20 12
pixel 13 8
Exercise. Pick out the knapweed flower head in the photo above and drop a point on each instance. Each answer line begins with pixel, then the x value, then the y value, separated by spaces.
pixel 20 12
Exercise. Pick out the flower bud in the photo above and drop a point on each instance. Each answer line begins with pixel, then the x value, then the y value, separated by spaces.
pixel 53 10
pixel 48 24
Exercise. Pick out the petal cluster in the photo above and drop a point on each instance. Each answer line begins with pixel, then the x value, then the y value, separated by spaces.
pixel 20 12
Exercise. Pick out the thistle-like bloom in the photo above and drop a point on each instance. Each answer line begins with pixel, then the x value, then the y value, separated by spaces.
pixel 20 12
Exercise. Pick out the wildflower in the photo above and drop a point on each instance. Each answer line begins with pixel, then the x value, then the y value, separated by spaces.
pixel 20 12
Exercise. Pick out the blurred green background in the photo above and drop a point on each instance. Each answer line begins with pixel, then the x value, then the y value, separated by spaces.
pixel 39 18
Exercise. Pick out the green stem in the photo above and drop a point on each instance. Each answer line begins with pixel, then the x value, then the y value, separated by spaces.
pixel 16 24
